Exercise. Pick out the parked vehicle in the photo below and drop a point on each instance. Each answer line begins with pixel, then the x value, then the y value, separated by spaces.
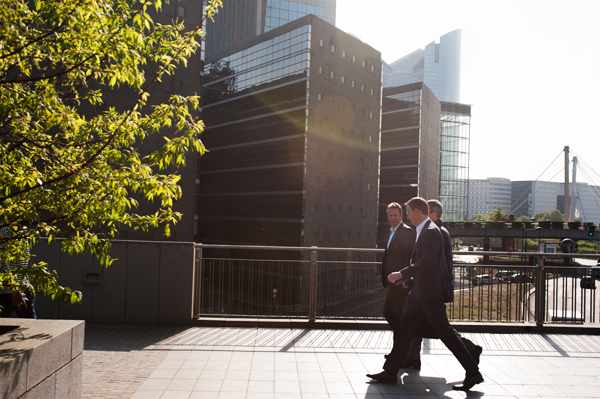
pixel 506 275
pixel 522 278
pixel 587 282
pixel 484 279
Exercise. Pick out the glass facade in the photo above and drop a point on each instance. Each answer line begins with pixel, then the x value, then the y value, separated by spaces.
pixel 236 22
pixel 255 110
pixel 280 12
pixel 265 62
pixel 454 161
pixel 239 21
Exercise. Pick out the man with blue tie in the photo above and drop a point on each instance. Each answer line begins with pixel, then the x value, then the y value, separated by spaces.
pixel 432 287
pixel 397 254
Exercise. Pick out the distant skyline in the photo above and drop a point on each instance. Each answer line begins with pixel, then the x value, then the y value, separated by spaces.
pixel 529 70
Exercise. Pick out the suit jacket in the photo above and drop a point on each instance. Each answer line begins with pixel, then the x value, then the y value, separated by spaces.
pixel 431 278
pixel 397 254
pixel 447 253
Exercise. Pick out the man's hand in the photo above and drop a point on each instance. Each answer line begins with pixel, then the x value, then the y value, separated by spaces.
pixel 19 299
pixel 395 276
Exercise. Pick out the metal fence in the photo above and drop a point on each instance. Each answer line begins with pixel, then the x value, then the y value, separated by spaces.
pixel 293 282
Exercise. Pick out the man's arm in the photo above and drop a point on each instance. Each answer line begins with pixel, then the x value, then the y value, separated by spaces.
pixel 430 245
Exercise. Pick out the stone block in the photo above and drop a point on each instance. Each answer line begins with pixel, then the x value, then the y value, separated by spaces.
pixel 50 355
pixel 71 275
pixel 13 373
pixel 109 297
pixel 78 339
pixel 32 354
pixel 45 390
pixel 143 259
pixel 176 280
pixel 68 380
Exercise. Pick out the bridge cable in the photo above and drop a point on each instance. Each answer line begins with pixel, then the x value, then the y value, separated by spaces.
pixel 582 210
pixel 593 186
pixel 593 189
pixel 528 188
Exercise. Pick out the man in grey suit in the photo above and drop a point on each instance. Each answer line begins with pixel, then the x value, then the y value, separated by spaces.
pixel 400 244
pixel 432 287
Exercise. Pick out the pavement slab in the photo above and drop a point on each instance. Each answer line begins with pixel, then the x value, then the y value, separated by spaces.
pixel 162 362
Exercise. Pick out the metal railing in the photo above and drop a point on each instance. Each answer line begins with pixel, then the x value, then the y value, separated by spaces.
pixel 344 283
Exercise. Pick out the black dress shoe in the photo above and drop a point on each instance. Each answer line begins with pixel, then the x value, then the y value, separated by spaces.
pixel 476 353
pixel 411 364
pixel 384 376
pixel 469 382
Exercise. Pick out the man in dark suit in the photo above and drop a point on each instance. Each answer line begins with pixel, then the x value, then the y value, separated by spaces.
pixel 399 247
pixel 425 329
pixel 432 287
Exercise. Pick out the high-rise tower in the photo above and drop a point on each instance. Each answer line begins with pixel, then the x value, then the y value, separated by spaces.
pixel 437 65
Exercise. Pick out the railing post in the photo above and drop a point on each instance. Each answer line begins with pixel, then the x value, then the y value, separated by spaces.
pixel 197 278
pixel 540 293
pixel 312 311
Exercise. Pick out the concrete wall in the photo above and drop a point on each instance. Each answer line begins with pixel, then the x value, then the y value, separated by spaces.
pixel 149 283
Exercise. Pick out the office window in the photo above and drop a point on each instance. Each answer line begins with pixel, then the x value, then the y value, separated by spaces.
pixel 181 11
pixel 320 70
pixel 333 48
pixel 353 58
pixel 343 53
pixel 343 79
pixel 320 42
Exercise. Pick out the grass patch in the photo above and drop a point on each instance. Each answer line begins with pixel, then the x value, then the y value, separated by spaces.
pixel 501 302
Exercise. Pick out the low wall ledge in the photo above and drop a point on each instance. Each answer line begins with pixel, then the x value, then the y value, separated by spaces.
pixel 42 358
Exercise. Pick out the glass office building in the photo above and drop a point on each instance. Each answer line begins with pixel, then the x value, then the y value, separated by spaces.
pixel 293 133
pixel 437 65
pixel 454 160
pixel 240 20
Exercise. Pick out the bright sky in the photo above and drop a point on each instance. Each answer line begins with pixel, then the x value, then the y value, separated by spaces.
pixel 530 70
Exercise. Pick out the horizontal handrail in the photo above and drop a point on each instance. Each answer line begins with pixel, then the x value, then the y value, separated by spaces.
pixel 240 284
pixel 380 250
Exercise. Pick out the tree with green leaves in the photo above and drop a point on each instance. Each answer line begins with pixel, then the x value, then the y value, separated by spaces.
pixel 479 218
pixel 554 216
pixel 69 173
pixel 497 215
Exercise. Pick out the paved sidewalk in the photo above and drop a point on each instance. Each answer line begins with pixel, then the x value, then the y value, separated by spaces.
pixel 152 362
